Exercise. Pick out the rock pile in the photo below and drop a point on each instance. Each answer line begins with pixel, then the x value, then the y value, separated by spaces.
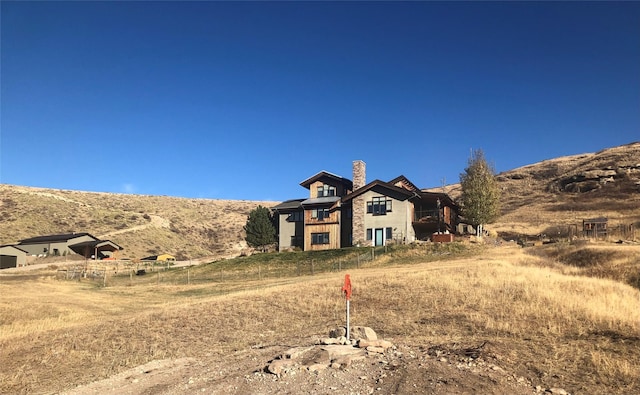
pixel 336 351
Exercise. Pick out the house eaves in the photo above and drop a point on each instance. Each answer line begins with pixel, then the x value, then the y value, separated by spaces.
pixel 384 185
pixel 325 174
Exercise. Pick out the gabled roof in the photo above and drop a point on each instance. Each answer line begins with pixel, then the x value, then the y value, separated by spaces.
pixel 444 198
pixel 404 180
pixel 325 174
pixel 14 246
pixel 381 185
pixel 54 238
pixel 291 204
pixel 97 243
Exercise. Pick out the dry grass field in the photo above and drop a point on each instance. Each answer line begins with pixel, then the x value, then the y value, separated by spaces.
pixel 474 317
pixel 543 324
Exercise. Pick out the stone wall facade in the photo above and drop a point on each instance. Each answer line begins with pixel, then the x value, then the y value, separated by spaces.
pixel 358 208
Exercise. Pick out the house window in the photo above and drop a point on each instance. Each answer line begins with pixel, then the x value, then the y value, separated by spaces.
pixel 369 234
pixel 326 190
pixel 320 238
pixel 320 213
pixel 379 206
pixel 295 217
pixel 389 233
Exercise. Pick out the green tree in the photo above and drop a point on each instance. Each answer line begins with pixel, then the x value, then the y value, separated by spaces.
pixel 260 228
pixel 480 200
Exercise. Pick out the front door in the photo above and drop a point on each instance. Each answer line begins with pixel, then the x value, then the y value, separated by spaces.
pixel 380 237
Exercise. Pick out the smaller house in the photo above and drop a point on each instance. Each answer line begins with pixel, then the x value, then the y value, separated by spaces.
pixel 83 244
pixel 12 256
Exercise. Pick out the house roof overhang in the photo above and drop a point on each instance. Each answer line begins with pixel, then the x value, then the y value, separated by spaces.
pixel 99 245
pixel 326 200
pixel 384 188
pixel 327 176
pixel 405 181
pixel 55 238
pixel 444 198
pixel 288 206
pixel 14 247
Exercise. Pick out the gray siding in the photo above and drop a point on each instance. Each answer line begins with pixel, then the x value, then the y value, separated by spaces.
pixel 61 246
pixel 21 257
pixel 288 230
pixel 399 219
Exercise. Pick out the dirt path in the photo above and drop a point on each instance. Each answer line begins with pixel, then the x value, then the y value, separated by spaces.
pixel 156 221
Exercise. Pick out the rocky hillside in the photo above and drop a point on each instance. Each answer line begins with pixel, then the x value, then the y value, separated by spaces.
pixel 550 196
pixel 545 197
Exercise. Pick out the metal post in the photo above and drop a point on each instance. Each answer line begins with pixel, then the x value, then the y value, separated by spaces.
pixel 348 329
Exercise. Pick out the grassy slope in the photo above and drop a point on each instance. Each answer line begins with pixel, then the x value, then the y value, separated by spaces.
pixel 194 228
pixel 554 328
pixel 143 225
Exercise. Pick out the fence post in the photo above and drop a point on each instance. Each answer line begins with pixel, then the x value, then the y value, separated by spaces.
pixel 188 276
pixel 312 269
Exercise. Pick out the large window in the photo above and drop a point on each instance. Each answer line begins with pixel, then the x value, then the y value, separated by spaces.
pixel 320 213
pixel 379 205
pixel 320 238
pixel 326 190
pixel 296 216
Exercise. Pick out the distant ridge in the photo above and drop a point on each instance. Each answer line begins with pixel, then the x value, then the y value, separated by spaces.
pixel 536 198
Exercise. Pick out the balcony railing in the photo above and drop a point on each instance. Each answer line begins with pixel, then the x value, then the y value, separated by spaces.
pixel 425 215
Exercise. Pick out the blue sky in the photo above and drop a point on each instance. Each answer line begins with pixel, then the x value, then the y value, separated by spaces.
pixel 244 100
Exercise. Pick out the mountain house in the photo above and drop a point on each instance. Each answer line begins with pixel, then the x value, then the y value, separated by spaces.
pixel 342 213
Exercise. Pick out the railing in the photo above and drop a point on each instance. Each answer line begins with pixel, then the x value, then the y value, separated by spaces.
pixel 420 214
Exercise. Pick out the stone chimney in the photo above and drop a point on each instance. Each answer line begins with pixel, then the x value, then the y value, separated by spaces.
pixel 358 208
pixel 359 174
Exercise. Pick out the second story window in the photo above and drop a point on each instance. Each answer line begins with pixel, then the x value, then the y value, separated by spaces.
pixel 379 206
pixel 296 216
pixel 320 213
pixel 326 190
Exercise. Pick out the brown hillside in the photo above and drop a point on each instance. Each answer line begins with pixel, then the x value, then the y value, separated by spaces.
pixel 553 195
pixel 545 197
pixel 143 225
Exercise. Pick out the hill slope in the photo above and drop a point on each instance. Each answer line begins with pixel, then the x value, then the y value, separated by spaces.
pixel 545 197
pixel 556 194
pixel 143 225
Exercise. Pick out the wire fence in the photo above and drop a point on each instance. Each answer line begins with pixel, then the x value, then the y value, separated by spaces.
pixel 130 273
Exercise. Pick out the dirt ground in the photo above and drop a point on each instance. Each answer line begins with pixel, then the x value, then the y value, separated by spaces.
pixel 403 369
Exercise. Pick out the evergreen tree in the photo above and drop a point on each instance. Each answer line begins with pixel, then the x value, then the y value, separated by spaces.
pixel 260 228
pixel 480 198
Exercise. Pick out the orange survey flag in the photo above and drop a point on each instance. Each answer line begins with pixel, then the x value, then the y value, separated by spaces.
pixel 346 288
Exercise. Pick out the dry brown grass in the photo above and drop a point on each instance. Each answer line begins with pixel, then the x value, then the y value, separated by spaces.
pixel 143 225
pixel 557 329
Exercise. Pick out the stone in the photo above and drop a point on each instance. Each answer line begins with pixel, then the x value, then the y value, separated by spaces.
pixel 279 366
pixel 378 350
pixel 557 391
pixel 316 367
pixel 375 343
pixel 296 352
pixel 363 332
pixel 338 332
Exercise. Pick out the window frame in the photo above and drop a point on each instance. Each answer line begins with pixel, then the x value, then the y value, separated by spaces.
pixel 320 238
pixel 326 190
pixel 379 205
